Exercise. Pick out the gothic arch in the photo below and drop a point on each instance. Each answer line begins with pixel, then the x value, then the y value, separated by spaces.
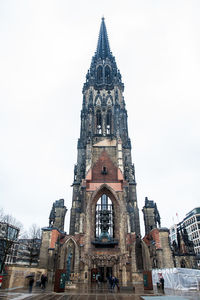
pixel 109 100
pixel 104 189
pixel 146 256
pixel 70 245
pixel 91 97
pixel 98 122
pixel 143 261
pixel 99 74
pixel 117 210
pixel 139 256
pixel 109 121
pixel 107 74
pixel 97 99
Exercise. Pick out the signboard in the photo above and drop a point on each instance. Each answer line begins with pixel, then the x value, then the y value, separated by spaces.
pixel 60 279
pixel 147 279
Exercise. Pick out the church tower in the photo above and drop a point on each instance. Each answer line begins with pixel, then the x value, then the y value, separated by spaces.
pixel 104 214
pixel 104 236
pixel 104 148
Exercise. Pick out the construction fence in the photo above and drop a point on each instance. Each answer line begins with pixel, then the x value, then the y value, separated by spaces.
pixel 178 278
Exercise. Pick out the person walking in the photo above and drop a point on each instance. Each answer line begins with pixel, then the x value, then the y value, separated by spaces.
pixel 30 284
pixel 116 280
pixel 113 283
pixel 98 279
pixel 162 282
pixel 43 281
pixel 110 280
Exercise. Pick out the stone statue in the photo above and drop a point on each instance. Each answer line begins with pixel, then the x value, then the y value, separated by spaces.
pixel 75 172
pixel 157 215
pixel 52 216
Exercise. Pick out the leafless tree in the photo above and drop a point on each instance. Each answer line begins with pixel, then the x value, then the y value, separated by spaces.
pixel 6 218
pixel 9 230
pixel 34 232
pixel 34 243
pixel 1 214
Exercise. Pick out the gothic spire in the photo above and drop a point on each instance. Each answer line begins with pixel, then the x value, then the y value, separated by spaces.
pixel 103 72
pixel 103 48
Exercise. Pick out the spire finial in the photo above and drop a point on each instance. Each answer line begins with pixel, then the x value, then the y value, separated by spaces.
pixel 103 48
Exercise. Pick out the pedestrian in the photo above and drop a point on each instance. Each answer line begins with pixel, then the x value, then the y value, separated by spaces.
pixel 98 279
pixel 110 280
pixel 116 280
pixel 43 281
pixel 113 283
pixel 30 284
pixel 162 282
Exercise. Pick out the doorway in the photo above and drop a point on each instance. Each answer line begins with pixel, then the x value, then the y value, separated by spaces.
pixel 101 273
pixel 104 272
pixel 108 272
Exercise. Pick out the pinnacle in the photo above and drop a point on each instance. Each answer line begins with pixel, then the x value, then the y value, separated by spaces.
pixel 103 48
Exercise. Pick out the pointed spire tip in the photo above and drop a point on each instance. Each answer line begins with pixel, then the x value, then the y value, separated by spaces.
pixel 103 48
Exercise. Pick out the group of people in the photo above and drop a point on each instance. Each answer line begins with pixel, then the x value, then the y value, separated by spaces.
pixel 112 282
pixel 43 282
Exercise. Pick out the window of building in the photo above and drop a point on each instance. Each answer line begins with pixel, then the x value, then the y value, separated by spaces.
pixel 99 122
pixel 108 122
pixel 104 218
pixel 107 75
pixel 100 74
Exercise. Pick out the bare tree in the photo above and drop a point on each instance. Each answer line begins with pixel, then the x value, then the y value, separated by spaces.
pixel 34 232
pixel 34 243
pixel 10 219
pixel 1 214
pixel 9 231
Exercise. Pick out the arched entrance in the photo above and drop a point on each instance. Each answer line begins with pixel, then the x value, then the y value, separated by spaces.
pixel 105 225
pixel 69 256
pixel 104 266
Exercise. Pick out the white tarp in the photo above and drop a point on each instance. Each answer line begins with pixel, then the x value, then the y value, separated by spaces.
pixel 178 278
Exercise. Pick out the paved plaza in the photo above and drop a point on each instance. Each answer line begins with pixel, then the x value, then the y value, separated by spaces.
pixel 101 293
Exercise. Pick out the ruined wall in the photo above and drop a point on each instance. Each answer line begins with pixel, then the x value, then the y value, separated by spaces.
pixel 16 276
pixel 159 248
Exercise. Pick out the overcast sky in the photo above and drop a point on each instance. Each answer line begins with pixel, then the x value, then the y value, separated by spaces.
pixel 45 51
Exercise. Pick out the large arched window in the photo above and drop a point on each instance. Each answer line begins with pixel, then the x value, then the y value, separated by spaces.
pixel 99 74
pixel 99 122
pixel 70 257
pixel 108 122
pixel 104 218
pixel 107 75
